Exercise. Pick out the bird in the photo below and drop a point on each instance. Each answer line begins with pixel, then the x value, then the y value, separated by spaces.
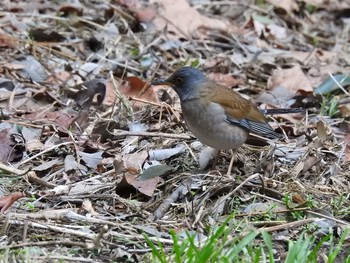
pixel 217 116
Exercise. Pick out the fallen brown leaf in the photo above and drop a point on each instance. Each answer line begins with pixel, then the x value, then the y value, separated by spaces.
pixel 7 200
pixel 182 20
pixel 293 79
pixel 146 187
pixel 134 161
pixel 136 87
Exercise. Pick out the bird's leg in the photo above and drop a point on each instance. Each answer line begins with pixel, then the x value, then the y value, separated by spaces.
pixel 229 170
pixel 216 159
pixel 206 157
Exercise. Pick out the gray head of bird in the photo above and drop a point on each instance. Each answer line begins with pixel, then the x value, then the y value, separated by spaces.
pixel 185 81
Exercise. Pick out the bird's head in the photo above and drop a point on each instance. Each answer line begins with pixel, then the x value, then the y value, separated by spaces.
pixel 185 81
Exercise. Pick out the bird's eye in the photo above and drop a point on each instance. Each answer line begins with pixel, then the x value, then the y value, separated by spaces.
pixel 179 81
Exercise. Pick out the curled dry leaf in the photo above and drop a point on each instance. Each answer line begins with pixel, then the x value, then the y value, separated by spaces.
pixel 6 40
pixel 136 87
pixel 87 205
pixel 10 150
pixel 110 96
pixel 7 200
pixel 146 187
pixel 5 145
pixel 133 162
pixel 32 138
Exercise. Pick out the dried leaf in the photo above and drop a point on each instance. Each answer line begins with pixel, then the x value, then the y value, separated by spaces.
pixel 293 79
pixel 7 200
pixel 146 187
pixel 155 171
pixel 10 150
pixel 135 161
pixel 91 159
pixel 32 69
pixel 188 23
pixel 136 87
pixel 47 165
pixel 70 164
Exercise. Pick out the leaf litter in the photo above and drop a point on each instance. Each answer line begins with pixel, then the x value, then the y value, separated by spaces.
pixel 92 156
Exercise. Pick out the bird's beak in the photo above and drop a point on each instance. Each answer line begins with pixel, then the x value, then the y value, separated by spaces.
pixel 161 82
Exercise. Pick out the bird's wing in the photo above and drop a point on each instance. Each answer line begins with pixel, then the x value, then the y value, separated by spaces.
pixel 242 112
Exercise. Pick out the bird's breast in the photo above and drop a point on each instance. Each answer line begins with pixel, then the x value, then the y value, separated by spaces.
pixel 207 121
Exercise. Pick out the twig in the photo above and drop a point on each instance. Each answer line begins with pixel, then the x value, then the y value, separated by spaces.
pixel 96 241
pixel 222 199
pixel 21 123
pixel 274 211
pixel 56 229
pixel 46 243
pixel 289 225
pixel 11 169
pixel 145 101
pixel 119 133
pixel 269 223
pixel 139 237
pixel 182 189
pixel 33 178
pixel 45 151
pixel 171 110
pixel 311 212
pixel 236 189
pixel 125 65
pixel 29 175
pixel 49 258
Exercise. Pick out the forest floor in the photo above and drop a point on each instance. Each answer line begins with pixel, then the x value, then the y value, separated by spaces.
pixel 97 164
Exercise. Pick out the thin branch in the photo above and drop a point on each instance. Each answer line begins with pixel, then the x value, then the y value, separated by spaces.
pixel 119 133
